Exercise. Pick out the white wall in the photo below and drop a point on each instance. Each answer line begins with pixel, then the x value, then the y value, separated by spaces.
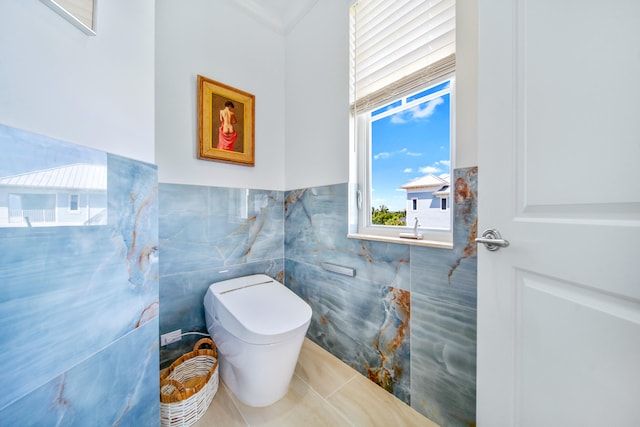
pixel 99 91
pixel 317 101
pixel 218 40
pixel 96 91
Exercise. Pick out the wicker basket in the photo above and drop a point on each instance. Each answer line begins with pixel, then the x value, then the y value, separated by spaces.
pixel 188 386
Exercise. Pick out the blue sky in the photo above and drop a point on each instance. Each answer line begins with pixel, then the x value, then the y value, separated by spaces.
pixel 407 145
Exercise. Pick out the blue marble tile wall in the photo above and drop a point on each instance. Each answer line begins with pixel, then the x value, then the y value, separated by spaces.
pixel 208 234
pixel 407 320
pixel 79 304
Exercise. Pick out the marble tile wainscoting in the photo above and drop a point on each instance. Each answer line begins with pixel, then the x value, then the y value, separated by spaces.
pixel 82 305
pixel 209 234
pixel 79 303
pixel 407 320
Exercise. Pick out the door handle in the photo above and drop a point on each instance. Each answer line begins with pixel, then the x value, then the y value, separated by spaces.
pixel 492 240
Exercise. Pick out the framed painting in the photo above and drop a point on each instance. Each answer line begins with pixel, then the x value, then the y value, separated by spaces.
pixel 81 13
pixel 226 123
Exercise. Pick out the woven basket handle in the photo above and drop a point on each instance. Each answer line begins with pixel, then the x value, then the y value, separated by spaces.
pixel 170 381
pixel 202 341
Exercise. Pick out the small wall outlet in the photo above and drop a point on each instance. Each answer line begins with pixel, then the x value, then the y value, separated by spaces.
pixel 170 337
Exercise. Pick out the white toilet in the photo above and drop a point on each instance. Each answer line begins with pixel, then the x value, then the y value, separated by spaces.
pixel 258 325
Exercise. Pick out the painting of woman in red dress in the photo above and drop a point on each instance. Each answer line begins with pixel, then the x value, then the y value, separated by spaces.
pixel 227 134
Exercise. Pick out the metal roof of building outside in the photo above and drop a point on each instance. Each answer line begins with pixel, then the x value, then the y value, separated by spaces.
pixel 80 176
pixel 427 181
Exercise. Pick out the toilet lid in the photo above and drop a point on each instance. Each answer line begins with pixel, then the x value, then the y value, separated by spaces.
pixel 258 309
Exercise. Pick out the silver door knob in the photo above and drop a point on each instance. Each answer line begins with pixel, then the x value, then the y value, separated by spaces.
pixel 492 240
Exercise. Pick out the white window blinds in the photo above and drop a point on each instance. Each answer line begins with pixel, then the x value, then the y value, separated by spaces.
pixel 399 44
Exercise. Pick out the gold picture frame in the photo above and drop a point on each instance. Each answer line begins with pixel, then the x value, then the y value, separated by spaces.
pixel 226 123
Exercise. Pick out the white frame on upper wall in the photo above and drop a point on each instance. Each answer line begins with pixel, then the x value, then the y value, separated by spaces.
pixel 80 13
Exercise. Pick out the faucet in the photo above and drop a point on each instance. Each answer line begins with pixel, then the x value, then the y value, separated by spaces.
pixel 415 234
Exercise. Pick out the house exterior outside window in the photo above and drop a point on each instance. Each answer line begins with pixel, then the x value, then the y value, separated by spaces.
pixel 68 195
pixel 426 197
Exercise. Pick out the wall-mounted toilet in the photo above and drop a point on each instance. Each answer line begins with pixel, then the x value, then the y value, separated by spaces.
pixel 258 325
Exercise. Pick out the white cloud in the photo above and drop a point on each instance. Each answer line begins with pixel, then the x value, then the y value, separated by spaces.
pixel 437 167
pixel 409 153
pixel 398 119
pixel 386 154
pixel 420 112
pixel 430 169
pixel 408 170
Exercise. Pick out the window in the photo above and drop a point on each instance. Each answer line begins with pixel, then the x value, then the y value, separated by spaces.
pixel 402 106
pixel 73 203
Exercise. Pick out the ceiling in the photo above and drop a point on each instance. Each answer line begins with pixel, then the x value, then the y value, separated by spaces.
pixel 280 15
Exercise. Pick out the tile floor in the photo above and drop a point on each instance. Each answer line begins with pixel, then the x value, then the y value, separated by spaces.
pixel 324 392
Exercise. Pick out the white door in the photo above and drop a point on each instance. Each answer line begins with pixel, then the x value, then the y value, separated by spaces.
pixel 559 177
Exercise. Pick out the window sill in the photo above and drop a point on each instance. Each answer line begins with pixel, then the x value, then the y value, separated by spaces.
pixel 400 240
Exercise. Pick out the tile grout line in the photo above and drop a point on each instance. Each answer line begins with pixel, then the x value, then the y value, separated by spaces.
pixel 341 387
pixel 326 400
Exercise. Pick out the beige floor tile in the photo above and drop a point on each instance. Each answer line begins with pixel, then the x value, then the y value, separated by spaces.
pixel 300 407
pixel 365 404
pixel 323 392
pixel 222 412
pixel 324 372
